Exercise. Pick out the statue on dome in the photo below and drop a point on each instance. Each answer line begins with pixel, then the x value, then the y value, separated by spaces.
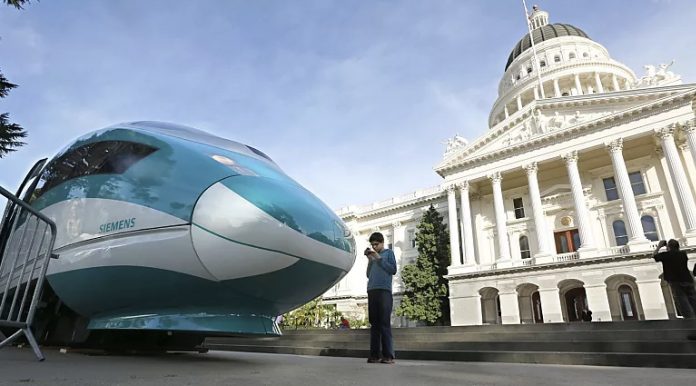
pixel 657 75
pixel 457 142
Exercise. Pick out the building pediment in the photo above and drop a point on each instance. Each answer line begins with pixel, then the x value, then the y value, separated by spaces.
pixel 550 121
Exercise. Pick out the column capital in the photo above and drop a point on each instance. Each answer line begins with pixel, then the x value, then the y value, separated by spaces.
pixel 495 177
pixel 689 126
pixel 531 168
pixel 396 224
pixel 451 188
pixel 615 146
pixel 665 132
pixel 570 157
pixel 463 186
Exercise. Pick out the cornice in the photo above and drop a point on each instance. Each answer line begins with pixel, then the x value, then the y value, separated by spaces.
pixel 579 130
pixel 557 265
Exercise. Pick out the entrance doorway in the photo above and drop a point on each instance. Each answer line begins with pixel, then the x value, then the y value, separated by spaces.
pixel 536 308
pixel 576 302
pixel 567 241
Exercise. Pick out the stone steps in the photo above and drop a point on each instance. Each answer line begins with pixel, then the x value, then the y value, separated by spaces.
pixel 645 343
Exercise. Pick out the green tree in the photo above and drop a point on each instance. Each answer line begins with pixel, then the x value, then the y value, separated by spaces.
pixel 426 295
pixel 11 134
pixel 313 315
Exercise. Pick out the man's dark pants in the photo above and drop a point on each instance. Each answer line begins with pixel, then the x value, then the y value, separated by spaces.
pixel 379 307
pixel 684 295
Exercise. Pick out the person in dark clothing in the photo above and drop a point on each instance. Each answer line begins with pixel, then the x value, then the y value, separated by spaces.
pixel 677 275
pixel 380 269
pixel 586 315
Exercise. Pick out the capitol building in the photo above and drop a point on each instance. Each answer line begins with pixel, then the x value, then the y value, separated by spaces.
pixel 558 207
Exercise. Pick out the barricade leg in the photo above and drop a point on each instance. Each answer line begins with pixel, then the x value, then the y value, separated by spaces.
pixel 30 337
pixel 33 344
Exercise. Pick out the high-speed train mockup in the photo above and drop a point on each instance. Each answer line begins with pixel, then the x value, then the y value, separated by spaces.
pixel 163 227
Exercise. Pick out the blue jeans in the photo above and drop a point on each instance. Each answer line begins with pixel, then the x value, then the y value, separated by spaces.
pixel 379 307
pixel 684 295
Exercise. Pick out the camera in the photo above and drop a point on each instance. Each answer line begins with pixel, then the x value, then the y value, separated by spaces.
pixel 367 251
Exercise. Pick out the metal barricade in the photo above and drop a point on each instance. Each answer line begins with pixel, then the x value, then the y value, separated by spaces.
pixel 30 237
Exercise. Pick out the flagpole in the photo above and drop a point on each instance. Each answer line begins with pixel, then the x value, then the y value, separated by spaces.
pixel 536 60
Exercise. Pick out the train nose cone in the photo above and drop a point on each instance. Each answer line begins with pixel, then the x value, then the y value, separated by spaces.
pixel 249 226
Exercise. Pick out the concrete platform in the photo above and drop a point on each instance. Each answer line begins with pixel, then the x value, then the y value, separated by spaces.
pixel 19 367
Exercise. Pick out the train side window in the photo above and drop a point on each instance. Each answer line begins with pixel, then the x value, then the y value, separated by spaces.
pixel 108 157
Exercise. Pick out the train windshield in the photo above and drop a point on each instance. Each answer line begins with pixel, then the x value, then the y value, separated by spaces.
pixel 108 157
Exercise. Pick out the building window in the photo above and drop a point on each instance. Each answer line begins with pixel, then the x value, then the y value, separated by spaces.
pixel 610 189
pixel 571 55
pixel 620 232
pixel 542 63
pixel 557 58
pixel 649 228
pixel 519 207
pixel 524 247
pixel 529 70
pixel 585 55
pixel 637 183
pixel 412 238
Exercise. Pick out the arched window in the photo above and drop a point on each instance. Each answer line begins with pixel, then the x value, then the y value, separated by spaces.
pixel 628 304
pixel 620 232
pixel 529 70
pixel 542 63
pixel 557 58
pixel 585 55
pixel 524 247
pixel 571 55
pixel 649 228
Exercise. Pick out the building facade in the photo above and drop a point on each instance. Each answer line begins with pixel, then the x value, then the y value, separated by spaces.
pixel 557 208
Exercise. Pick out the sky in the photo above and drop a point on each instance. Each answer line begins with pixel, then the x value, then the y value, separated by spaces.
pixel 354 99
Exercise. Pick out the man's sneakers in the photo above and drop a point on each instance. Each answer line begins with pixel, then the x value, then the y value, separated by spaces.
pixel 389 361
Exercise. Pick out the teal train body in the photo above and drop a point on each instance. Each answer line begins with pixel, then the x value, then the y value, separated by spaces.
pixel 167 228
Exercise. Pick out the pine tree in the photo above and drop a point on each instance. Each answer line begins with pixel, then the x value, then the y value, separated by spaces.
pixel 10 133
pixel 426 295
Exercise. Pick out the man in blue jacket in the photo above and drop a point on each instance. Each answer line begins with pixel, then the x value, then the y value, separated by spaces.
pixel 380 269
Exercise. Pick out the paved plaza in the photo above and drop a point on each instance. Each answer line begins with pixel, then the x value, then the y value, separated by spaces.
pixel 18 367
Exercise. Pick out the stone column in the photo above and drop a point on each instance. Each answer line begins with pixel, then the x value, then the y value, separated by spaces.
pixel 690 132
pixel 507 114
pixel 500 218
pixel 615 83
pixel 598 302
pixel 584 226
pixel 636 233
pixel 627 84
pixel 556 88
pixel 551 305
pixel 681 184
pixel 536 93
pixel 543 240
pixel 398 240
pixel 519 102
pixel 453 226
pixel 598 83
pixel 578 85
pixel 651 297
pixel 467 231
pixel 509 307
